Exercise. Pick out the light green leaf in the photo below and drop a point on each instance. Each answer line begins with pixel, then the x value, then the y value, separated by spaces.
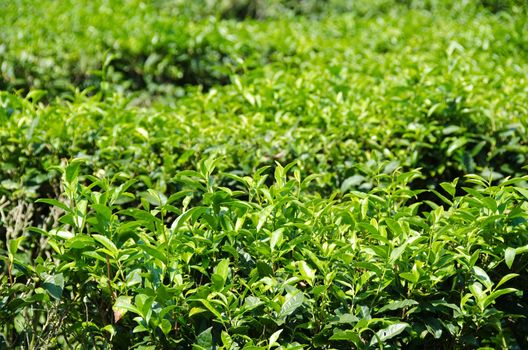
pixel 306 271
pixel 347 335
pixel 394 226
pixel 194 212
pixel 449 188
pixel 522 191
pixel 493 296
pixel 204 340
pixel 107 243
pixel 397 252
pixel 273 339
pixel 54 203
pixel 476 290
pixel 123 304
pixel 291 304
pixel 61 233
pixel 196 310
pixel 352 181
pixel 252 302
pixel 165 326
pixel 482 276
pixel 154 252
pixel 509 256
pixel 13 247
pixel 276 238
pixel 521 250
pixel 389 332
pixel 410 276
pixel 456 144
pixel 264 216
pixel 506 279
pixel 399 304
pixel 72 170
pixel 54 285
pixel 227 341
pixel 222 269
pixel 80 242
pixel 211 308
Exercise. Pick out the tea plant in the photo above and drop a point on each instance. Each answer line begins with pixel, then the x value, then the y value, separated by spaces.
pixel 264 264
pixel 258 175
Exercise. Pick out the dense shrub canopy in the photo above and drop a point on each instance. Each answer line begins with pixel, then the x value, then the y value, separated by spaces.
pixel 248 174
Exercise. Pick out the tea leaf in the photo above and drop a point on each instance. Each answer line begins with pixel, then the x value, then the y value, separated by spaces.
pixel 54 285
pixel 389 332
pixel 509 256
pixel 292 303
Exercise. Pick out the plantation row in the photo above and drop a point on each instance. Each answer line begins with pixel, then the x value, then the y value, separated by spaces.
pixel 291 175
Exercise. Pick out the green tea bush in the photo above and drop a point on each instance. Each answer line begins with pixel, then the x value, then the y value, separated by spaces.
pixel 278 266
pixel 142 47
pixel 257 175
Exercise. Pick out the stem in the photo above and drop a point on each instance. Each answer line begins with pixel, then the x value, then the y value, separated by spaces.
pixel 108 271
pixel 112 293
pixel 9 272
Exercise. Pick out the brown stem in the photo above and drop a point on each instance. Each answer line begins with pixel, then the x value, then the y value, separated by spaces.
pixel 112 293
pixel 176 327
pixel 108 271
pixel 9 272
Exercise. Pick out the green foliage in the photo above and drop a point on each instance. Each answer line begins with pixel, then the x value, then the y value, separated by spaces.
pixel 260 175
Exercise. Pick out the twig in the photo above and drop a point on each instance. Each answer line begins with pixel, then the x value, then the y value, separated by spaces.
pixel 9 272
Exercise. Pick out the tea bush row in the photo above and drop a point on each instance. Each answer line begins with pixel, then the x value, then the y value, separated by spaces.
pixel 159 47
pixel 259 265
